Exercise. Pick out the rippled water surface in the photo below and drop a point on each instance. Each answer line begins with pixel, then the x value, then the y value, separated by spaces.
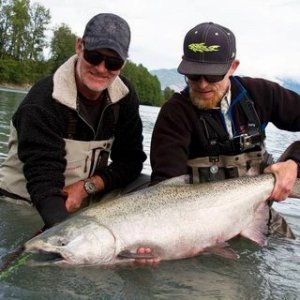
pixel 271 272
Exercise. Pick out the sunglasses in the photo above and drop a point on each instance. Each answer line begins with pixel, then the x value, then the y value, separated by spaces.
pixel 95 58
pixel 208 78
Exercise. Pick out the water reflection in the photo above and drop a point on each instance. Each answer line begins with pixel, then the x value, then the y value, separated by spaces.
pixel 9 101
pixel 271 272
pixel 148 115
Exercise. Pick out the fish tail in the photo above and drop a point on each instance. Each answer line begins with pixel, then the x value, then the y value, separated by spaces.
pixel 295 193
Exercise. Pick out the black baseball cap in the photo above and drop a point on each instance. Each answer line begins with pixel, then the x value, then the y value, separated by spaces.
pixel 209 49
pixel 107 31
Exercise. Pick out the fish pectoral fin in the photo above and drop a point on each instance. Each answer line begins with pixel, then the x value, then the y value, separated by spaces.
pixel 132 255
pixel 255 236
pixel 222 250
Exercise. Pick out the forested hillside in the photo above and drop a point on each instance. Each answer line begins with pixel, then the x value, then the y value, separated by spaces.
pixel 23 39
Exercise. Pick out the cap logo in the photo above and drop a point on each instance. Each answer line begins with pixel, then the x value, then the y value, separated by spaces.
pixel 201 47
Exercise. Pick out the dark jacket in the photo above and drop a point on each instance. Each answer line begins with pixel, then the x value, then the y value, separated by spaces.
pixel 42 123
pixel 179 135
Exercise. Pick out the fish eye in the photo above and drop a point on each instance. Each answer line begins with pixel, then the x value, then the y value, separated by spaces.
pixel 61 243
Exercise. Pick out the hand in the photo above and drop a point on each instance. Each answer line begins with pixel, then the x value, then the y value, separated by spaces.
pixel 285 174
pixel 146 261
pixel 75 195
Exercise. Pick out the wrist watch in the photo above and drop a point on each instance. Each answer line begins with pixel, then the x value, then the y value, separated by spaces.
pixel 89 186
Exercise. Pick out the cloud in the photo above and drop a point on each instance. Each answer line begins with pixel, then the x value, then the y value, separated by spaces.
pixel 267 31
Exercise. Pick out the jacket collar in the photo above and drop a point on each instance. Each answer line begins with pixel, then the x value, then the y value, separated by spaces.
pixel 65 89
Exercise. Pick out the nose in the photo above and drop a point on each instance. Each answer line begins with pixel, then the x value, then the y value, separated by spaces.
pixel 202 83
pixel 101 67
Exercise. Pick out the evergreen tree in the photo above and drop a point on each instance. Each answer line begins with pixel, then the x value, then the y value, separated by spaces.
pixel 62 45
pixel 168 92
pixel 4 26
pixel 147 86
pixel 22 29
pixel 19 21
pixel 39 20
pixel 23 40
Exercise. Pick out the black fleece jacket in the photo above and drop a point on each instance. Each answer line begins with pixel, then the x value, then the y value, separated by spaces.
pixel 179 135
pixel 41 123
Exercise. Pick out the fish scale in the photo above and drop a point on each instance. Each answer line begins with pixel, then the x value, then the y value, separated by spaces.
pixel 174 218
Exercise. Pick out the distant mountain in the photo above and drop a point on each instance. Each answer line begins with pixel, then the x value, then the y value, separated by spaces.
pixel 170 78
pixel 292 85
pixel 174 80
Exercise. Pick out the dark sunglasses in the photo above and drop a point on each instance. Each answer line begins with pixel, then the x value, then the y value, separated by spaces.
pixel 208 78
pixel 95 58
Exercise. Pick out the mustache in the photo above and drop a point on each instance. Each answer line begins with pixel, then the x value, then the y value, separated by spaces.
pixel 207 103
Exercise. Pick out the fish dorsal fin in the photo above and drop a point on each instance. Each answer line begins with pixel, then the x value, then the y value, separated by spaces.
pixel 258 229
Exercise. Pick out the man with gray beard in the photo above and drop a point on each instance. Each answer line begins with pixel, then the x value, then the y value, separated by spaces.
pixel 215 128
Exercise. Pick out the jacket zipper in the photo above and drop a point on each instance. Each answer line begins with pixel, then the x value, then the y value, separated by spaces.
pixel 94 133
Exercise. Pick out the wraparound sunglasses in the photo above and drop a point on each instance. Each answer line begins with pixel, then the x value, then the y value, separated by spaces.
pixel 95 58
pixel 208 78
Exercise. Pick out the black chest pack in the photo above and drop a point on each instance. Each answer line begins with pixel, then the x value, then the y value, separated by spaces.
pixel 219 142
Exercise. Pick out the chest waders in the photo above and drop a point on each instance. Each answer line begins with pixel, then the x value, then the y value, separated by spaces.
pixel 242 155
pixel 83 158
pixel 101 158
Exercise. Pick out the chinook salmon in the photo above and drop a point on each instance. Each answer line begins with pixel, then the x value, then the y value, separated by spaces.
pixel 174 218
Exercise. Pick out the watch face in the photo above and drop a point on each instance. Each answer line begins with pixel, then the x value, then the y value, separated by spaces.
pixel 90 187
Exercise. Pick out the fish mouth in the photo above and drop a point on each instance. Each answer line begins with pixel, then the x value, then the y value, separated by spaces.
pixel 47 258
pixel 47 253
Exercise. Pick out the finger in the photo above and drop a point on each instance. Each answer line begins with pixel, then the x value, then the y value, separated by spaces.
pixel 70 207
pixel 140 262
pixel 64 194
pixel 147 262
pixel 144 250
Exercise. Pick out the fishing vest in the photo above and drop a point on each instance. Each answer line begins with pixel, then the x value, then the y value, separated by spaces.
pixel 225 157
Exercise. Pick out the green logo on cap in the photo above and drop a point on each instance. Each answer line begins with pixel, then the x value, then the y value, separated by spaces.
pixel 201 47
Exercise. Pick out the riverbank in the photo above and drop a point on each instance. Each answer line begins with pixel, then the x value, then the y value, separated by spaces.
pixel 15 87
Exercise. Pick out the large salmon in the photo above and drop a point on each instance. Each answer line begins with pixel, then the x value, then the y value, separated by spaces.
pixel 174 218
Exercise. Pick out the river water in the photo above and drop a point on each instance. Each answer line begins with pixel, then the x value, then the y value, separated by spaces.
pixel 271 272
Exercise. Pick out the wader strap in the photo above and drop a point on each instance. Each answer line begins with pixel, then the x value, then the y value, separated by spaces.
pixel 219 138
pixel 222 135
pixel 103 159
pixel 254 125
pixel 215 134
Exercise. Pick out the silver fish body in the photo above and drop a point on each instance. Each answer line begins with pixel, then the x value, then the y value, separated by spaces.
pixel 174 218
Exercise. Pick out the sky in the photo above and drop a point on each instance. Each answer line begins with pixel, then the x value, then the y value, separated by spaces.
pixel 267 31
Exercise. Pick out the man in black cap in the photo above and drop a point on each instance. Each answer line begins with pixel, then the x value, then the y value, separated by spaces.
pixel 78 132
pixel 215 128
